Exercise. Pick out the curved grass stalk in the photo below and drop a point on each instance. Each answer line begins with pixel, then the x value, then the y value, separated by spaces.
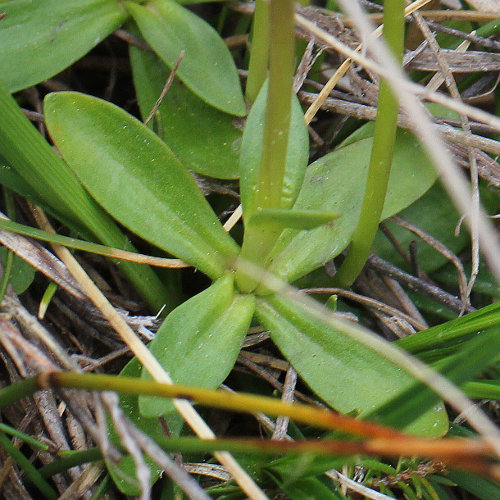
pixel 318 417
pixel 87 246
pixel 380 440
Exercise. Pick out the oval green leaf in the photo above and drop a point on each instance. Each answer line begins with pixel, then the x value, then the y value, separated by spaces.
pixel 205 139
pixel 346 374
pixel 251 152
pixel 137 179
pixel 198 342
pixel 336 183
pixel 35 169
pixel 41 38
pixel 207 67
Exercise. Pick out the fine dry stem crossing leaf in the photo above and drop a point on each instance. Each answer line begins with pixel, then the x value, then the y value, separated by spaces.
pixel 207 67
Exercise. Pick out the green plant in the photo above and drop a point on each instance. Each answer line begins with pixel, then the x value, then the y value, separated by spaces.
pixel 138 180
pixel 296 217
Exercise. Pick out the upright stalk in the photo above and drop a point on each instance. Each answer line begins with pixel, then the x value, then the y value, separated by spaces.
pixel 258 240
pixel 259 54
pixel 381 156
pixel 278 110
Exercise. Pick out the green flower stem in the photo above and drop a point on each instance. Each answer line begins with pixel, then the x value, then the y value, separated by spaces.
pixel 259 55
pixel 278 110
pixel 31 472
pixel 381 156
pixel 259 240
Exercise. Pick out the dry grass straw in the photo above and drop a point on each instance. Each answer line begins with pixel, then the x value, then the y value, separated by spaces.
pixel 458 188
pixel 149 362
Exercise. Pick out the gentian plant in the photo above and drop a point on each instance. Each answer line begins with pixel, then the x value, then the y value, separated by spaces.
pixel 296 216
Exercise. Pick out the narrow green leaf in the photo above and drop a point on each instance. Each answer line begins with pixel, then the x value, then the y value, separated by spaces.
pixel 482 389
pixel 137 179
pixel 198 342
pixel 480 487
pixel 298 219
pixel 473 358
pixel 347 375
pixel 251 152
pixel 310 464
pixel 438 335
pixel 40 38
pixel 28 468
pixel 336 183
pixel 22 274
pixel 124 473
pixel 43 173
pixel 207 67
pixel 205 139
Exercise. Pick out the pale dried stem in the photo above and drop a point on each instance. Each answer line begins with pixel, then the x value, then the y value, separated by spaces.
pixel 442 249
pixel 461 195
pixel 344 67
pixel 287 396
pixel 368 302
pixel 472 154
pixel 235 217
pixel 151 364
pixel 166 88
pixel 395 76
pixel 354 486
pixel 129 433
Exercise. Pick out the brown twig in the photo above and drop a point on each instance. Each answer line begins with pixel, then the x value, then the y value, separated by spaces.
pixel 166 88
pixel 419 285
